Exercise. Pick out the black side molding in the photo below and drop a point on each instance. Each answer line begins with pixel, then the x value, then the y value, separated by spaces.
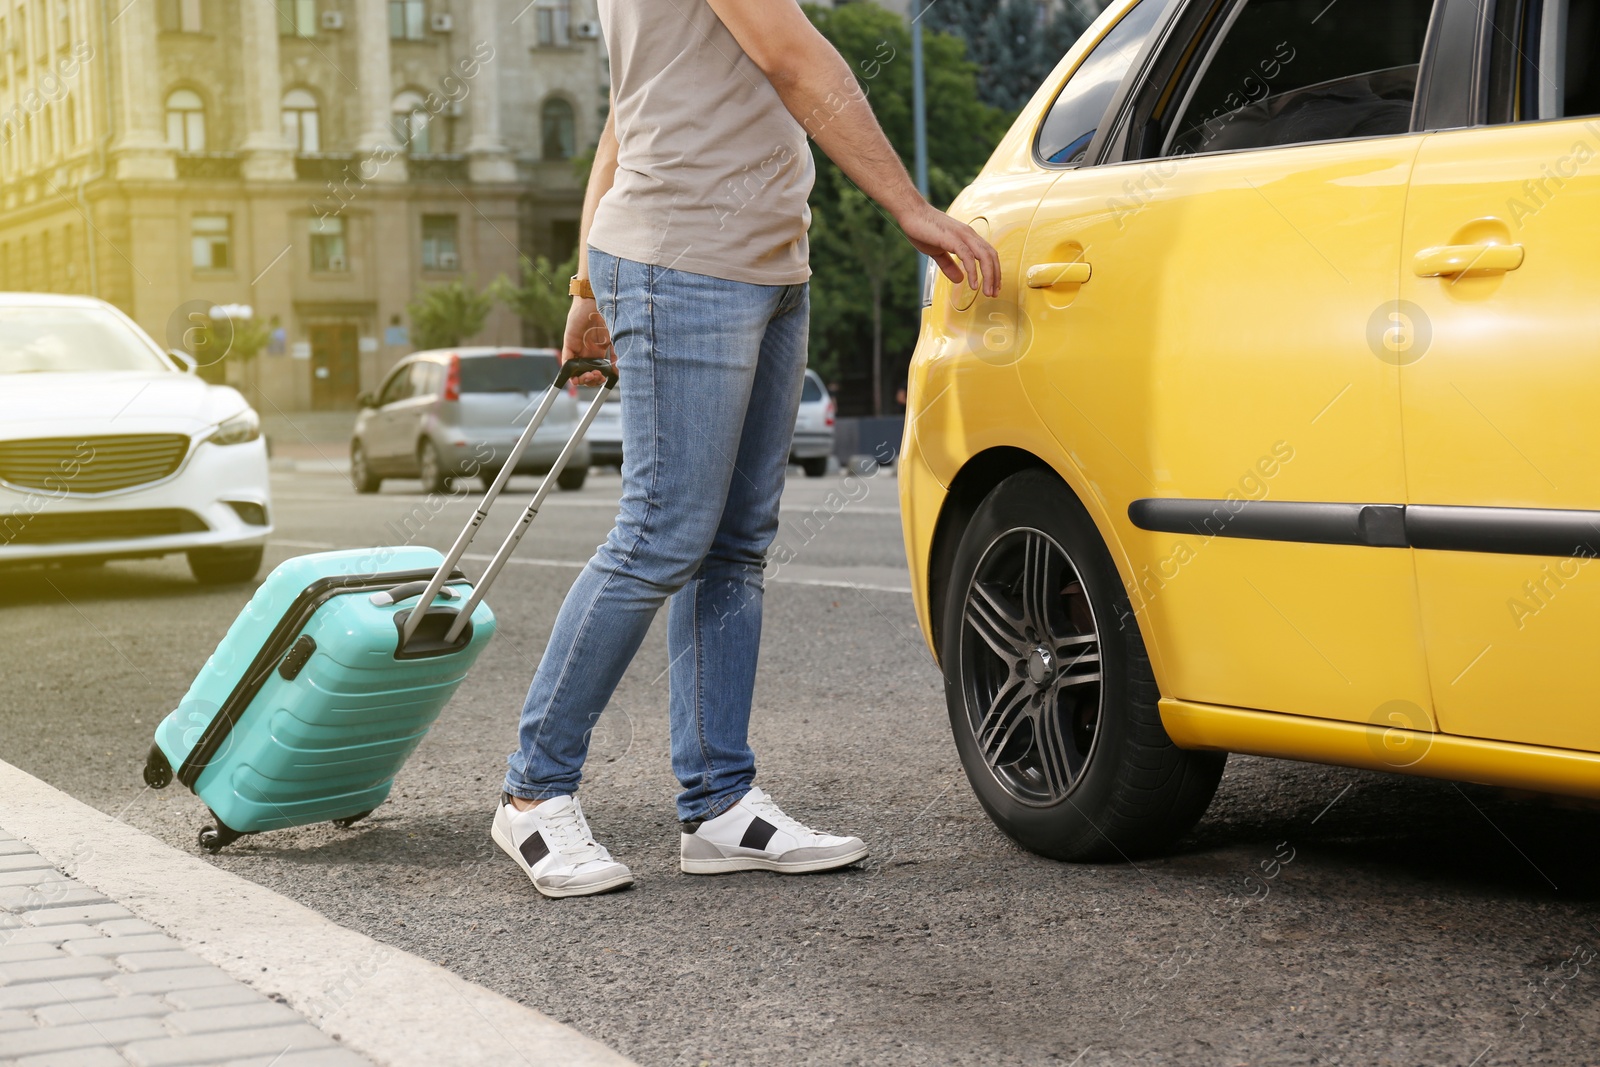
pixel 1508 531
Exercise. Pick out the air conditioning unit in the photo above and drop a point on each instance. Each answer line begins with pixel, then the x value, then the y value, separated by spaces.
pixel 333 20
pixel 442 23
pixel 587 30
pixel 449 261
pixel 336 263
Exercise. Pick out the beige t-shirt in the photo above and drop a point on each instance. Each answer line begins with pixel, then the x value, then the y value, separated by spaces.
pixel 713 171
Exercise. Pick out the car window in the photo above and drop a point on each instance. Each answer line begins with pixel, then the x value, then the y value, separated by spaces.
pixel 811 392
pixel 397 387
pixel 1556 56
pixel 1297 71
pixel 1075 116
pixel 425 378
pixel 510 372
pixel 41 340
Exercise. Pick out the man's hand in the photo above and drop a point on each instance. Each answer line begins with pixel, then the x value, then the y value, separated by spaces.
pixel 953 246
pixel 587 338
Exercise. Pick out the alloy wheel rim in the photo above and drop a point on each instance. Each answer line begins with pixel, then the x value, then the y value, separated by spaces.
pixel 1030 667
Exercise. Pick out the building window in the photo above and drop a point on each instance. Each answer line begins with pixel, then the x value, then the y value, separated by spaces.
pixel 181 16
pixel 300 126
pixel 560 129
pixel 439 243
pixel 411 123
pixel 211 242
pixel 407 19
pixel 554 19
pixel 296 18
pixel 327 244
pixel 186 121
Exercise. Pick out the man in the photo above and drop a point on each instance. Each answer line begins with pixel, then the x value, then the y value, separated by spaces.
pixel 692 276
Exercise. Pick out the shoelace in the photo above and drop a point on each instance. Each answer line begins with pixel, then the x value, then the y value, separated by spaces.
pixel 568 833
pixel 768 809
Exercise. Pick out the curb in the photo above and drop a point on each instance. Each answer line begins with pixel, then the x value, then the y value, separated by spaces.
pixel 395 1008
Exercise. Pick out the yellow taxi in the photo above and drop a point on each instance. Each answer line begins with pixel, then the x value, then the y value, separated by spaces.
pixel 1282 435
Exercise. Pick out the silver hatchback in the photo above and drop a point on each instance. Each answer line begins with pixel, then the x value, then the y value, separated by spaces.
pixel 452 414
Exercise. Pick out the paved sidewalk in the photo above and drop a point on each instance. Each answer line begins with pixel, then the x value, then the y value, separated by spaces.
pixel 118 949
pixel 85 983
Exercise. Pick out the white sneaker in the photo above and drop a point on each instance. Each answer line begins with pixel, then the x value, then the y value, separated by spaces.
pixel 755 835
pixel 552 843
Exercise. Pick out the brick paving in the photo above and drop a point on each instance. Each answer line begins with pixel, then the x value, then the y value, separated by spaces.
pixel 86 983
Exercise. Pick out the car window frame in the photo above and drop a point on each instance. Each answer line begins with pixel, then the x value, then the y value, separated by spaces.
pixel 1168 62
pixel 1497 86
pixel 402 371
pixel 1089 158
pixel 423 381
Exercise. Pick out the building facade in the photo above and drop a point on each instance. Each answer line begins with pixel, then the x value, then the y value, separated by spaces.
pixel 319 161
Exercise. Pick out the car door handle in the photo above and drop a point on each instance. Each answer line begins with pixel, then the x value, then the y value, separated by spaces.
pixel 1448 260
pixel 1049 275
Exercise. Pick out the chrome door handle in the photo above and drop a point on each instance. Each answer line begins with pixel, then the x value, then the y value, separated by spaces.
pixel 1050 275
pixel 1443 261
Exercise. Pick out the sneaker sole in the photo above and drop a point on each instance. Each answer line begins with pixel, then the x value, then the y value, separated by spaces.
pixel 730 864
pixel 571 891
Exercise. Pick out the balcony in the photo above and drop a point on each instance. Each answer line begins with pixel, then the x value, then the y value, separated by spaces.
pixel 438 168
pixel 208 165
pixel 324 166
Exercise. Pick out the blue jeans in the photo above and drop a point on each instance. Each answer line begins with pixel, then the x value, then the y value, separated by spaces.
pixel 711 372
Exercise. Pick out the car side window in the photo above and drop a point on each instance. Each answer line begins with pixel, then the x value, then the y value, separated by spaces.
pixel 424 380
pixel 397 387
pixel 1283 72
pixel 1553 59
pixel 810 392
pixel 1081 105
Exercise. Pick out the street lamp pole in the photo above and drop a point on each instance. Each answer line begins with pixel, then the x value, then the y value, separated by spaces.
pixel 919 96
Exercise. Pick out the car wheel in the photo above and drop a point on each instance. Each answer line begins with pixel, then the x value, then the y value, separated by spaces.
pixel 815 468
pixel 361 475
pixel 225 566
pixel 1050 692
pixel 573 478
pixel 431 469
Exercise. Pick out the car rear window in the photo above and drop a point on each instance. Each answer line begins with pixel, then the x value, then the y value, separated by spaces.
pixel 507 374
pixel 811 392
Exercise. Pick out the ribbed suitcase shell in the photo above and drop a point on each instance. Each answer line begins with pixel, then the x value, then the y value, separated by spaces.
pixel 327 743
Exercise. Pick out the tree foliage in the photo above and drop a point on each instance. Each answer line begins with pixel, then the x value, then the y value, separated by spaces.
pixel 866 289
pixel 1016 43
pixel 446 315
pixel 540 298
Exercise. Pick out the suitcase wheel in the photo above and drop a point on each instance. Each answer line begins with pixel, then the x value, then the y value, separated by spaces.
pixel 215 838
pixel 157 771
pixel 350 820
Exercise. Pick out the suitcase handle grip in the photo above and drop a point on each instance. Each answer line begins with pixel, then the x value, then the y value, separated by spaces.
pixel 383 598
pixel 574 367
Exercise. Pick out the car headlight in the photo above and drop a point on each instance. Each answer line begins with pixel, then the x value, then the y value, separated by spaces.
pixel 929 280
pixel 245 426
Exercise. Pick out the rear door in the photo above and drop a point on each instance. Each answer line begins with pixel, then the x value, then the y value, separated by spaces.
pixel 1200 320
pixel 1502 387
pixel 382 435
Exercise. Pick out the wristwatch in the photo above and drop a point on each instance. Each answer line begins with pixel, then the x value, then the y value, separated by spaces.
pixel 580 287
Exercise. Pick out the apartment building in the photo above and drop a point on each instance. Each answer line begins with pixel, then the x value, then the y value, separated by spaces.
pixel 319 161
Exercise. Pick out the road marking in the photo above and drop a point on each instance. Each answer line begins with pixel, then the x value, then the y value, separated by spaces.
pixel 533 561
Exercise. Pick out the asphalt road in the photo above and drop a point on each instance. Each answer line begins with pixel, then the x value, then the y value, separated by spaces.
pixel 1317 915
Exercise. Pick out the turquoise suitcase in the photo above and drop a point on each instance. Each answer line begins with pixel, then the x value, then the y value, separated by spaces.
pixel 336 669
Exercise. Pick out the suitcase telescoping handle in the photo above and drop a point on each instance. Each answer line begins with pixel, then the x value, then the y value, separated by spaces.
pixel 571 369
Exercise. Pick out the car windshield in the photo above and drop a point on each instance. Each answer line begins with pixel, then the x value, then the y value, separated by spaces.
pixel 38 340
pixel 508 373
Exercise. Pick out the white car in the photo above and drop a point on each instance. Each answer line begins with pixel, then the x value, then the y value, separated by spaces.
pixel 110 450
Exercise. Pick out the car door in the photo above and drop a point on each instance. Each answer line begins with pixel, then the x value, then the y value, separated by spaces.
pixel 382 437
pixel 1199 308
pixel 412 413
pixel 1501 389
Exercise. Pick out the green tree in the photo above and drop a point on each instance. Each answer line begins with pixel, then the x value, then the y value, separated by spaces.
pixel 1015 43
pixel 540 299
pixel 446 315
pixel 866 290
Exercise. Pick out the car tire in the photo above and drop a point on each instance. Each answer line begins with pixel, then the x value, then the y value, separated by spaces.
pixel 1107 783
pixel 430 468
pixel 815 468
pixel 573 478
pixel 225 566
pixel 361 475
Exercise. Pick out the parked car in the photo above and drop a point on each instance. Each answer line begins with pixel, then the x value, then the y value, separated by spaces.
pixel 109 450
pixel 813 428
pixel 450 414
pixel 1280 437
